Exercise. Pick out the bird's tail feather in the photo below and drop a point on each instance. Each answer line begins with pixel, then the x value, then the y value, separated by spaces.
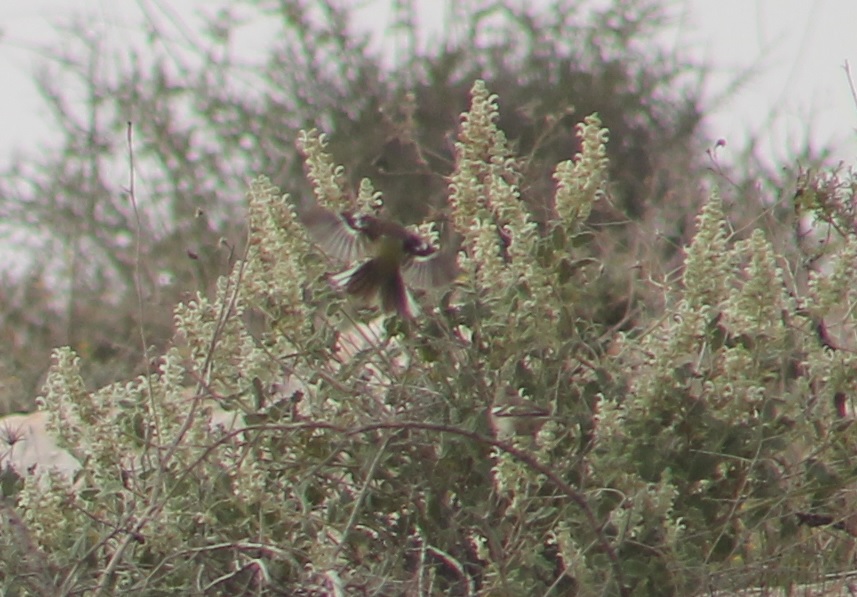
pixel 371 280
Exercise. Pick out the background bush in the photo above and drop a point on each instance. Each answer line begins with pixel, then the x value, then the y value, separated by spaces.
pixel 205 120
pixel 698 398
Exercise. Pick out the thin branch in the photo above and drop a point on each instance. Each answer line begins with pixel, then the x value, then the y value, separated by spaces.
pixel 851 86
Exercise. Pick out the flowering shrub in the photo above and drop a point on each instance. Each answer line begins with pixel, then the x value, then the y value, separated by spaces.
pixel 671 453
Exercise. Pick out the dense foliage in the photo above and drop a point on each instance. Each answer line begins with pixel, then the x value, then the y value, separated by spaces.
pixel 206 117
pixel 674 457
pixel 630 389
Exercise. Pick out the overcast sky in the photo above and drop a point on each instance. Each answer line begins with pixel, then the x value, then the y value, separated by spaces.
pixel 798 46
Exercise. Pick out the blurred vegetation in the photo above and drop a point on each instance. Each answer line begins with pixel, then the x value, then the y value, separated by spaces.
pixel 204 117
pixel 690 353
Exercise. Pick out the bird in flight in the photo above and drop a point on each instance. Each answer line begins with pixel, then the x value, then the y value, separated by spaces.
pixel 386 258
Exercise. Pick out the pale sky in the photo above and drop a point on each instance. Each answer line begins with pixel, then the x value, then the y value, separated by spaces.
pixel 798 46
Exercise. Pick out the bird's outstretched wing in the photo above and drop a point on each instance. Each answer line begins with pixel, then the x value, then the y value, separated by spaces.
pixel 338 234
pixel 434 270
